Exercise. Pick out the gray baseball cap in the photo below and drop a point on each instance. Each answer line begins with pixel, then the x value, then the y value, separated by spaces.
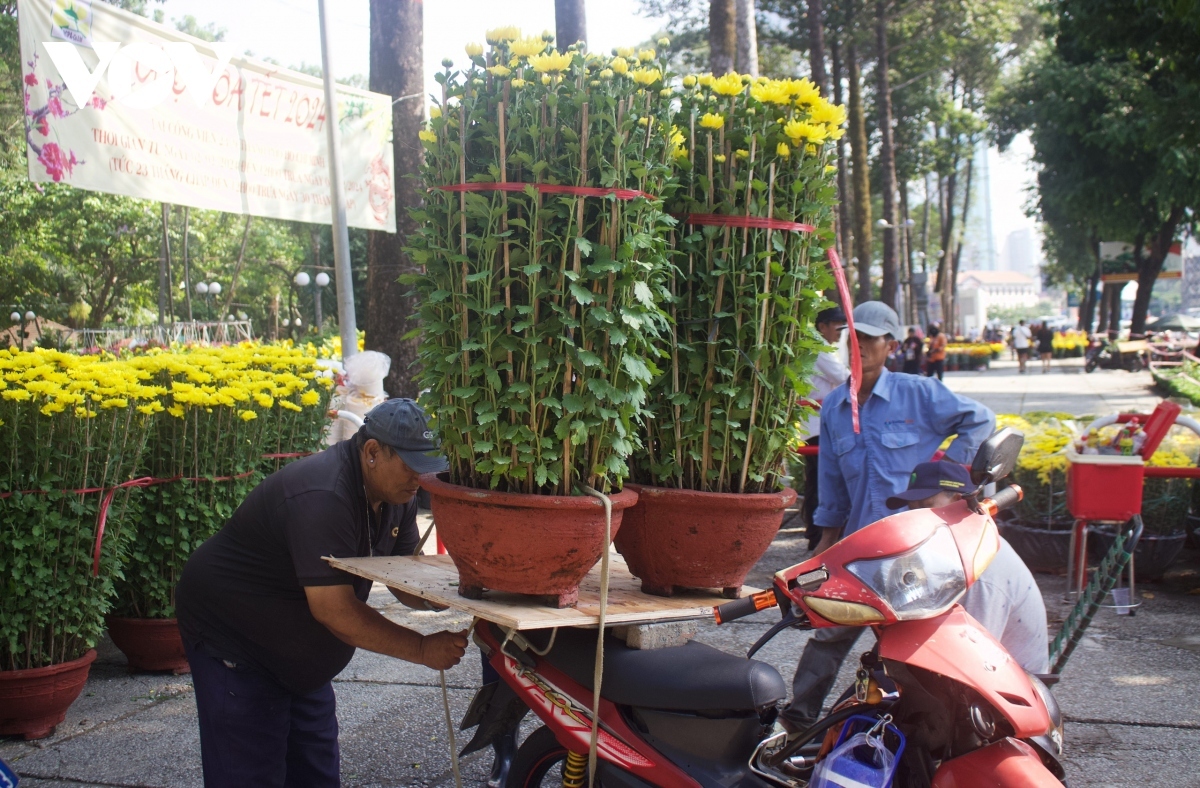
pixel 401 424
pixel 875 318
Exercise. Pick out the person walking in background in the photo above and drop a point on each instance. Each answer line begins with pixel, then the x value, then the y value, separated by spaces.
pixel 1021 338
pixel 914 349
pixel 936 359
pixel 1045 346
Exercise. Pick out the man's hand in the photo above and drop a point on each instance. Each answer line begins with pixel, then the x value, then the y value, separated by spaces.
pixel 443 650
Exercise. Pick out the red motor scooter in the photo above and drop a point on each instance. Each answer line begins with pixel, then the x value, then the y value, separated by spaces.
pixel 695 716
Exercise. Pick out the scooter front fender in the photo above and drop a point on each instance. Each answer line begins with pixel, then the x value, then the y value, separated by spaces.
pixel 957 646
pixel 1004 764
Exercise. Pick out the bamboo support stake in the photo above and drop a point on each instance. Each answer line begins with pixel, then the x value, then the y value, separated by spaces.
pixel 762 327
pixel 504 244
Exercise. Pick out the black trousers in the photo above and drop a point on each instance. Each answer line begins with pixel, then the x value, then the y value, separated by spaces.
pixel 256 734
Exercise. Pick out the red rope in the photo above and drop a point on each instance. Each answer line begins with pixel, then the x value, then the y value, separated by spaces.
pixel 855 359
pixel 145 481
pixel 547 188
pixel 748 222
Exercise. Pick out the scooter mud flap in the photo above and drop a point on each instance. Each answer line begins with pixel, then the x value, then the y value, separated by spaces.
pixel 1006 764
pixel 495 709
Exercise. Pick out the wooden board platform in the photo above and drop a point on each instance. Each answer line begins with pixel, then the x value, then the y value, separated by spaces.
pixel 434 577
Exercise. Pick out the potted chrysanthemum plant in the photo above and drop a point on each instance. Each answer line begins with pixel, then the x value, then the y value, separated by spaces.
pixel 74 429
pixel 543 247
pixel 755 204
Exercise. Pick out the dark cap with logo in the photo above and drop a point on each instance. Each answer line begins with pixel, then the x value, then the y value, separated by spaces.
pixel 401 424
pixel 930 478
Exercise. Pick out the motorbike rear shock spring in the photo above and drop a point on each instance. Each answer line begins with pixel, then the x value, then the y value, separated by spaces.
pixel 574 770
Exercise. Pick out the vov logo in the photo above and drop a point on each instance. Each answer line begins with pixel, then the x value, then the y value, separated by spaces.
pixel 172 62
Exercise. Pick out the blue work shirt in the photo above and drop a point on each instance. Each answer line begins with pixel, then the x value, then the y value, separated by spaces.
pixel 903 423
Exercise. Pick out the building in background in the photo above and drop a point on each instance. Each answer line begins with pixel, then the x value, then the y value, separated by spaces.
pixel 1021 252
pixel 979 291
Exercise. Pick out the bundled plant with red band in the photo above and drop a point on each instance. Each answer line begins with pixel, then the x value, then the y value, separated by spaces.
pixel 542 245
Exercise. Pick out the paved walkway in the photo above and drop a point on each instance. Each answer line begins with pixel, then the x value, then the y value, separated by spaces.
pixel 1128 693
pixel 1065 388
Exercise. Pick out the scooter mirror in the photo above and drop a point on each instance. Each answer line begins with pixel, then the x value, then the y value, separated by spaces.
pixel 997 456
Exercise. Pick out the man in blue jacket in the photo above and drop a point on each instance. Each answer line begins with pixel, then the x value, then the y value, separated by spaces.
pixel 903 420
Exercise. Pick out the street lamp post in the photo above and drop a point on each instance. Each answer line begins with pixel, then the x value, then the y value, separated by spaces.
pixel 23 322
pixel 321 280
pixel 208 289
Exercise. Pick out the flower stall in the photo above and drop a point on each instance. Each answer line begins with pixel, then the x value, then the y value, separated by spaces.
pixel 94 501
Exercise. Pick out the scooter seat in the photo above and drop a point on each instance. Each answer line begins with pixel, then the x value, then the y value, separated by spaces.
pixel 692 677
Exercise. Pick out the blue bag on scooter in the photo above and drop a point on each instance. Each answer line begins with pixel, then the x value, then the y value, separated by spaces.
pixel 862 759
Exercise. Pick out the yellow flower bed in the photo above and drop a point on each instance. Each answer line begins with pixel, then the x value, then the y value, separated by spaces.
pixel 972 349
pixel 1070 340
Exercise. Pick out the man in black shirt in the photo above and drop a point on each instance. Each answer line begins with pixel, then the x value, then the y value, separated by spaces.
pixel 267 623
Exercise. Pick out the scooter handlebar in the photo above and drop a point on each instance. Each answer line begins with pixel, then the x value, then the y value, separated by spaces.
pixel 746 606
pixel 1005 499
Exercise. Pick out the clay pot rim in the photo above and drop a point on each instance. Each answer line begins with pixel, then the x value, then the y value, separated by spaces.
pixel 436 484
pixel 50 670
pixel 773 500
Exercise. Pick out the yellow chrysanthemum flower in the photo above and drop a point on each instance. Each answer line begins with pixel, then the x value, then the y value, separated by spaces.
pixel 474 50
pixel 619 65
pixel 646 76
pixel 706 80
pixel 828 113
pixel 689 81
pixel 729 85
pixel 427 136
pixel 797 131
pixel 805 92
pixel 783 150
pixel 310 398
pixel 526 47
pixel 518 83
pixel 247 415
pixel 623 52
pixel 710 120
pixel 499 71
pixel 647 54
pixel 771 92
pixel 501 34
pixel 552 62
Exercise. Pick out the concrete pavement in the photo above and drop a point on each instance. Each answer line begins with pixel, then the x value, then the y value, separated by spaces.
pixel 1133 716
pixel 1065 388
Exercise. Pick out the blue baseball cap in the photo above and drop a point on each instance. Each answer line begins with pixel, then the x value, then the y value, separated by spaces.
pixel 930 478
pixel 401 424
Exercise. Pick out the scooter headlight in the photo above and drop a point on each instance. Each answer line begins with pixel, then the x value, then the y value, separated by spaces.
pixel 921 583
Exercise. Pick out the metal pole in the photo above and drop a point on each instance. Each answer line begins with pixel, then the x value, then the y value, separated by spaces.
pixel 317 304
pixel 162 269
pixel 341 236
pixel 187 269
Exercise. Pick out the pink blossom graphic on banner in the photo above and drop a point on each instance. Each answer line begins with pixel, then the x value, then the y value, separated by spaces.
pixel 56 162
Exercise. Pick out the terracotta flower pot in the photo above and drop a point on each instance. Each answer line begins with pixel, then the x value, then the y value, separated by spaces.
pixel 149 643
pixel 33 702
pixel 676 538
pixel 542 545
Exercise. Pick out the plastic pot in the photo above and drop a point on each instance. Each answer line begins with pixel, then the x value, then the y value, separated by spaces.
pixel 1152 557
pixel 542 545
pixel 676 538
pixel 1042 549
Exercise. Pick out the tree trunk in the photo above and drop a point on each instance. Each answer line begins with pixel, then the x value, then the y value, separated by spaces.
pixel 722 35
pixel 397 28
pixel 906 257
pixel 950 294
pixel 747 38
pixel 1087 309
pixel 946 194
pixel 816 44
pixel 1150 266
pixel 237 270
pixel 570 23
pixel 843 184
pixel 862 176
pixel 887 158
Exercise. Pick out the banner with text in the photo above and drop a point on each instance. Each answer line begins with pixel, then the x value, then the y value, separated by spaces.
pixel 117 103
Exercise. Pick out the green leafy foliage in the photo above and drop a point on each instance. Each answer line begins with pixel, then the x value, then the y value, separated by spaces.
pixel 538 309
